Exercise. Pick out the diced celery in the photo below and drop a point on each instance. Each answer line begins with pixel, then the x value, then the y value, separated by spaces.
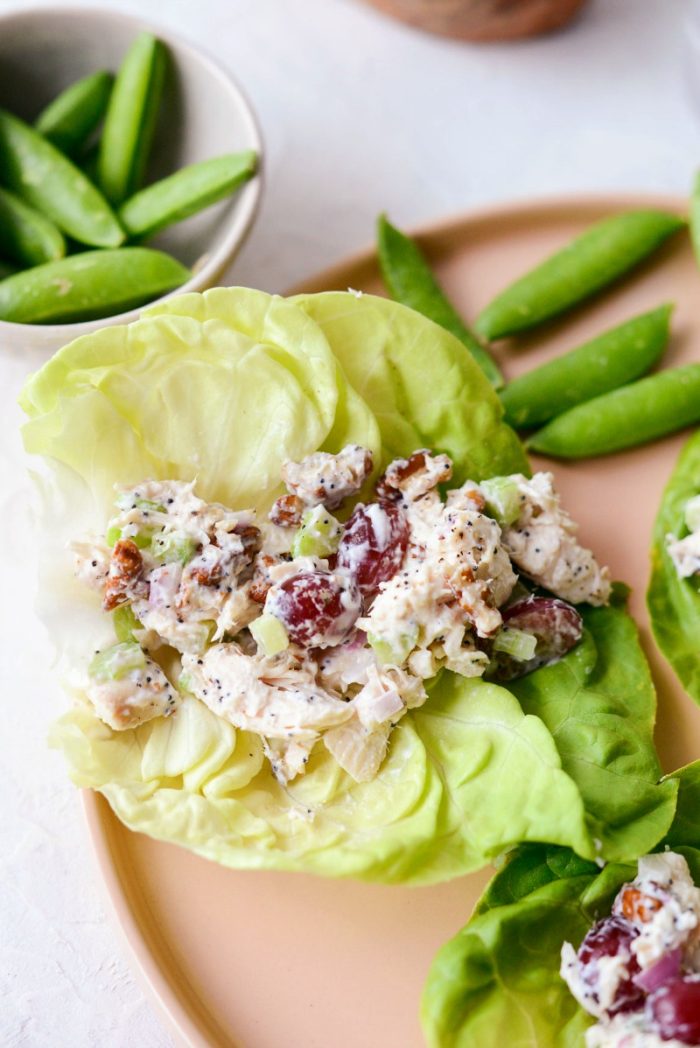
pixel 393 655
pixel 692 513
pixel 115 662
pixel 175 546
pixel 516 643
pixel 125 622
pixel 502 499
pixel 113 535
pixel 318 535
pixel 141 538
pixel 127 501
pixel 269 634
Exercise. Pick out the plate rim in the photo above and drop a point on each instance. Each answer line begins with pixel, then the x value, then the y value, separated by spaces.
pixel 616 200
pixel 178 1019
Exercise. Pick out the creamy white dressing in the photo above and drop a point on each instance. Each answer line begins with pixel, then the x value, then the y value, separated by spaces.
pixel 629 1030
pixel 194 576
pixel 666 878
pixel 685 553
pixel 135 698
pixel 542 543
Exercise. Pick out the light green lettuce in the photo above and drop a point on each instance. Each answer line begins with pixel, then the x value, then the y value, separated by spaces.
pixel 423 392
pixel 224 387
pixel 674 603
pixel 443 803
pixel 599 704
pixel 497 981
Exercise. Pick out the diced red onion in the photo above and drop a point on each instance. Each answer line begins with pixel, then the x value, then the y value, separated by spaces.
pixel 667 967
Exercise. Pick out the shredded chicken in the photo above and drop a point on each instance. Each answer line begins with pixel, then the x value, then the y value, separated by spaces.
pixel 328 479
pixel 335 644
pixel 276 698
pixel 543 544
pixel 140 696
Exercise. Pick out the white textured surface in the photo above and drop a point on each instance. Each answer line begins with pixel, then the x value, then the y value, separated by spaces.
pixel 359 115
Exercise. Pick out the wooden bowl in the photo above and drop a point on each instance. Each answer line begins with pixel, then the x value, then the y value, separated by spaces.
pixel 482 19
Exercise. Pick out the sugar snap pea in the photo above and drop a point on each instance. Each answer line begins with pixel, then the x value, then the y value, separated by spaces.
pixel 695 217
pixel 26 236
pixel 634 414
pixel 71 118
pixel 89 285
pixel 131 116
pixel 88 162
pixel 600 255
pixel 187 191
pixel 6 269
pixel 410 280
pixel 606 362
pixel 46 179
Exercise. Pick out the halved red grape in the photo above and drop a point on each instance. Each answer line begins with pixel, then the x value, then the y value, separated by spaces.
pixel 556 625
pixel 374 544
pixel 608 938
pixel 317 608
pixel 674 1010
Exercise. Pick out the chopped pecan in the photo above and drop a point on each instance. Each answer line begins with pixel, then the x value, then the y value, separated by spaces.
pixel 286 511
pixel 476 498
pixel 213 563
pixel 414 476
pixel 261 581
pixel 125 567
pixel 636 906
pixel 328 479
pixel 251 538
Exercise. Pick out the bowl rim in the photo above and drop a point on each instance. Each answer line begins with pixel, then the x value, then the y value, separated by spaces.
pixel 248 201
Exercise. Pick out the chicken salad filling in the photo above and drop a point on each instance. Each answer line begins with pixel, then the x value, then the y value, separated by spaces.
pixel 306 627
pixel 638 970
pixel 685 551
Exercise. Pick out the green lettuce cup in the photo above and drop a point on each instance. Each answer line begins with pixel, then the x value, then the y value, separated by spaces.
pixel 674 601
pixel 497 981
pixel 223 388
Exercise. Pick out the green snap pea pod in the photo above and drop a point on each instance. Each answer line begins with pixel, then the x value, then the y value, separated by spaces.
pixel 600 255
pixel 6 269
pixel 611 360
pixel 46 179
pixel 695 217
pixel 90 285
pixel 187 191
pixel 634 414
pixel 410 280
pixel 26 236
pixel 71 118
pixel 88 162
pixel 131 117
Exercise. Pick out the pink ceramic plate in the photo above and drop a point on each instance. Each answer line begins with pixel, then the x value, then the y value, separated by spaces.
pixel 267 960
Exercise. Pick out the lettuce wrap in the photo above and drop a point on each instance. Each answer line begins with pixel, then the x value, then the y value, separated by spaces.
pixel 225 387
pixel 497 981
pixel 674 602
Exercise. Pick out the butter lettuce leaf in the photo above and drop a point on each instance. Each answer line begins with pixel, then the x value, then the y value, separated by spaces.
pixel 673 602
pixel 223 387
pixel 497 981
pixel 599 703
pixel 443 803
pixel 224 393
pixel 420 383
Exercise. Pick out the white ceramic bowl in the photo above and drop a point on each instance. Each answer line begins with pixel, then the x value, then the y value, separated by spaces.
pixel 203 114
